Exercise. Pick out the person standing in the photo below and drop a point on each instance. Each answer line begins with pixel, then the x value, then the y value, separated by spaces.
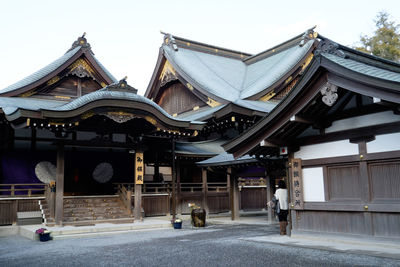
pixel 281 194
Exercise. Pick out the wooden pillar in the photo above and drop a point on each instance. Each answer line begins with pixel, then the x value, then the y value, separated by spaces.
pixel 269 196
pixel 178 185
pixel 138 202
pixel 204 189
pixel 33 139
pixel 234 194
pixel 59 209
pixel 51 200
pixel 173 181
pixel 139 165
pixel 365 189
pixel 228 185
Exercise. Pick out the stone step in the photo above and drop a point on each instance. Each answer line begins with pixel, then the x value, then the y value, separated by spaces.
pixel 91 200
pixel 102 205
pixel 91 222
pixel 90 210
pixel 95 218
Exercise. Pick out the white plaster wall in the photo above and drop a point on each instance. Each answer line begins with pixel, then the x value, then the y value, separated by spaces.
pixel 326 150
pixel 313 185
pixel 363 121
pixel 385 142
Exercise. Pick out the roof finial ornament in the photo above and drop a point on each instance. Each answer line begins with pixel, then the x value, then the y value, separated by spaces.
pixel 170 40
pixel 308 35
pixel 122 85
pixel 82 42
pixel 330 47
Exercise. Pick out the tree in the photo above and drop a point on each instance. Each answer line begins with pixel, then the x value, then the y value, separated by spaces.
pixel 385 42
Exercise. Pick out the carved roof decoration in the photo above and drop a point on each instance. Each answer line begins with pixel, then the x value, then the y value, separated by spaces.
pixel 168 74
pixel 122 85
pixel 80 42
pixel 330 47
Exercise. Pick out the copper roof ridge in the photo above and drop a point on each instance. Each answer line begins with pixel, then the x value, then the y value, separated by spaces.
pixel 308 34
pixel 188 44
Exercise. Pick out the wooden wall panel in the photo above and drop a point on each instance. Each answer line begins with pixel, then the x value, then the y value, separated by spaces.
pixel 9 209
pixel 7 212
pixel 176 98
pixel 67 87
pixel 253 198
pixel 218 202
pixel 156 205
pixel 344 183
pixel 89 85
pixel 331 221
pixel 385 180
pixel 187 198
pixel 386 224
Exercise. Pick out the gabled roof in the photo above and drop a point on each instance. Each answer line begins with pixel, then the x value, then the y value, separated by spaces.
pixel 79 48
pixel 227 76
pixel 334 64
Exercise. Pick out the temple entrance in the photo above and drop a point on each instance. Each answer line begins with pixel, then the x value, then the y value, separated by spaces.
pixel 96 171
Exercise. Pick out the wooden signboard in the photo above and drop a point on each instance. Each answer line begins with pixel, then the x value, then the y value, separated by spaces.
pixel 139 168
pixel 297 184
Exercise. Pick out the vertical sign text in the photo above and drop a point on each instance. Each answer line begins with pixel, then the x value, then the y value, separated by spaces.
pixel 297 184
pixel 139 168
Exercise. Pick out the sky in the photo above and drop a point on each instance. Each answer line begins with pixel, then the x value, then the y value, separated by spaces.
pixel 125 35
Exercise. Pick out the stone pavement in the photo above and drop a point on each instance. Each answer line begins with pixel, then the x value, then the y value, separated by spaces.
pixel 367 246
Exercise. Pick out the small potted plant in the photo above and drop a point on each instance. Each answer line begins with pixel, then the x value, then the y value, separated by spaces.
pixel 44 234
pixel 177 223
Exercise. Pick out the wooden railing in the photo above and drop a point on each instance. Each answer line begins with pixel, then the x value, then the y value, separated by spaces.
pixel 125 193
pixel 166 188
pixel 150 188
pixel 191 187
pixel 217 187
pixel 29 190
pixel 157 188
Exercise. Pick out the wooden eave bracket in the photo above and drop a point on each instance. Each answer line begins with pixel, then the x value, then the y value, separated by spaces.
pixel 301 119
pixel 265 143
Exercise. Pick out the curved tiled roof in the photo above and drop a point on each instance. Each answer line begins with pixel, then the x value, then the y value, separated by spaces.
pixel 11 104
pixel 363 68
pixel 112 95
pixel 38 75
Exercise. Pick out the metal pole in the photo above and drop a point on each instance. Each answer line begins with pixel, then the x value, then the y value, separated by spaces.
pixel 173 181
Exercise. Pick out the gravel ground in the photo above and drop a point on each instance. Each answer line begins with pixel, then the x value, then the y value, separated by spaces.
pixel 210 246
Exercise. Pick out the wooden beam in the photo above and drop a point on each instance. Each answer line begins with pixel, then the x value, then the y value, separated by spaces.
pixel 59 209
